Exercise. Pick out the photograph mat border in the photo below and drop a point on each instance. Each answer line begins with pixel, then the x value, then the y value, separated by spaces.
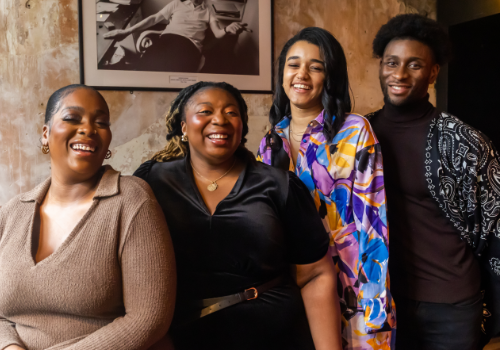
pixel 160 81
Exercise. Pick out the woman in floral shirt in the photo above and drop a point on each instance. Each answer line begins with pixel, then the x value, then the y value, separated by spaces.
pixel 338 157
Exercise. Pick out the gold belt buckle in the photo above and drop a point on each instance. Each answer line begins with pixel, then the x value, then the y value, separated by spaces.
pixel 255 293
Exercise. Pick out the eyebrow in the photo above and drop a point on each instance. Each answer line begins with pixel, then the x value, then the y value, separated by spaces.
pixel 210 104
pixel 312 59
pixel 413 58
pixel 78 108
pixel 81 109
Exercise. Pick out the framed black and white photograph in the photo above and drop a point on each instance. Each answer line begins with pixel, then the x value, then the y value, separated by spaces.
pixel 170 44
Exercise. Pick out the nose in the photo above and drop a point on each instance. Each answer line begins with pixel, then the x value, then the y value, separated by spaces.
pixel 302 73
pixel 87 129
pixel 219 118
pixel 400 73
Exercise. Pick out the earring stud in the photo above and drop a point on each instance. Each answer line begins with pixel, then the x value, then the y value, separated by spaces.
pixel 184 138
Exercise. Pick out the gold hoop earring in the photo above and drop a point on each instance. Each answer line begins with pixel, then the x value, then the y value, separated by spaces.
pixel 108 154
pixel 184 138
pixel 45 149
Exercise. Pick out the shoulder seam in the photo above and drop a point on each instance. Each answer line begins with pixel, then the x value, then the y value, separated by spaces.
pixel 139 207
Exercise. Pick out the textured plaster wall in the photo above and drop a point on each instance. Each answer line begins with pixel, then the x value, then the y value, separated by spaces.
pixel 39 54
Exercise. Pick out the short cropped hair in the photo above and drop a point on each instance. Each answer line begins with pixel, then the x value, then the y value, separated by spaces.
pixel 415 27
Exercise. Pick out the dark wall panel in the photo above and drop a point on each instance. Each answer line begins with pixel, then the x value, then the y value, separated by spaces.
pixel 474 75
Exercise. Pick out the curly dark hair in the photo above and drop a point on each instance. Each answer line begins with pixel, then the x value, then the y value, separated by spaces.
pixel 336 99
pixel 415 27
pixel 175 148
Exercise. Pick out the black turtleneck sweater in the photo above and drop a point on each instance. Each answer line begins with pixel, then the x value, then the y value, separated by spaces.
pixel 428 261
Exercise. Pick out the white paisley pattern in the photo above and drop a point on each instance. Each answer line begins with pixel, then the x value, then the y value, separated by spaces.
pixel 463 176
pixel 495 265
pixel 468 168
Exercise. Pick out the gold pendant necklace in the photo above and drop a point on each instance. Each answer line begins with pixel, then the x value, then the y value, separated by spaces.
pixel 213 186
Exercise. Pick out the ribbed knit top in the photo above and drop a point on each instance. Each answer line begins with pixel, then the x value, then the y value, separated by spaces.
pixel 110 285
pixel 428 260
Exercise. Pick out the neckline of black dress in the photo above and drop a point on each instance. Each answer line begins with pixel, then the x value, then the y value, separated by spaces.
pixel 234 191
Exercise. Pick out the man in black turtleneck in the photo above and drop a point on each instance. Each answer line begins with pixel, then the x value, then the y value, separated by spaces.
pixel 441 234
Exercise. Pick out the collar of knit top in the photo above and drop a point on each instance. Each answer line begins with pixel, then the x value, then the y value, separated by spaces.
pixel 108 186
pixel 410 112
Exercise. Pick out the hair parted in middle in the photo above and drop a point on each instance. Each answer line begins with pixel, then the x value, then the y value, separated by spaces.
pixel 175 148
pixel 336 97
pixel 55 100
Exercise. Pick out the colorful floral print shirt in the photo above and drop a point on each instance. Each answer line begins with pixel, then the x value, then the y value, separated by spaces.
pixel 346 180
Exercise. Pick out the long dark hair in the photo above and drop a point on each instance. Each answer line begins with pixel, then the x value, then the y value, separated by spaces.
pixel 336 99
pixel 175 148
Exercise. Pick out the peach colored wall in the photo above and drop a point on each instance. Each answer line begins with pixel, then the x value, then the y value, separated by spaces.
pixel 39 54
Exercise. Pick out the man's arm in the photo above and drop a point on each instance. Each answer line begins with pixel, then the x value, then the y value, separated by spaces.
pixel 220 31
pixel 120 34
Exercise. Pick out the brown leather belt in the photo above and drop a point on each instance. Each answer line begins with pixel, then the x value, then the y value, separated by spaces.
pixel 211 305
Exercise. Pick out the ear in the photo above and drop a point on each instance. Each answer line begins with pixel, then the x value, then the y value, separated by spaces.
pixel 45 135
pixel 183 127
pixel 434 73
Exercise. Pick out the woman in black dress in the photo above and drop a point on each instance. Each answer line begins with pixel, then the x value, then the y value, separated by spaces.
pixel 237 227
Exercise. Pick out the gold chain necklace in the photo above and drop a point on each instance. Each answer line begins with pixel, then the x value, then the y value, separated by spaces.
pixel 301 135
pixel 213 186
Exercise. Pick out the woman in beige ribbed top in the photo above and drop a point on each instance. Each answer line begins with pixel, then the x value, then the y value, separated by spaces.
pixel 86 260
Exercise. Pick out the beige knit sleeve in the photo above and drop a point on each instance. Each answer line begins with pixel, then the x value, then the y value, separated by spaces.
pixel 8 333
pixel 149 286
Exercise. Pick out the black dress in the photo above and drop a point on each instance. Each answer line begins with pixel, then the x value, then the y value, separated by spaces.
pixel 266 223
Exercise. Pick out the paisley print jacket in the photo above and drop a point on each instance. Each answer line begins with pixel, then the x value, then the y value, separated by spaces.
pixel 463 176
pixel 345 178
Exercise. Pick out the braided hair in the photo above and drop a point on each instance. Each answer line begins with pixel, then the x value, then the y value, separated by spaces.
pixel 335 98
pixel 175 148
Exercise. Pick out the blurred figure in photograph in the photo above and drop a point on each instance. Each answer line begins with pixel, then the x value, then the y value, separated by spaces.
pixel 180 46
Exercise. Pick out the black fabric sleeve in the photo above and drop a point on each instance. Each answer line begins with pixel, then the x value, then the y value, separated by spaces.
pixel 306 237
pixel 143 171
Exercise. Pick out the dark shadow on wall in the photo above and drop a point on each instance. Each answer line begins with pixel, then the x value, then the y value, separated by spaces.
pixel 454 12
pixel 474 74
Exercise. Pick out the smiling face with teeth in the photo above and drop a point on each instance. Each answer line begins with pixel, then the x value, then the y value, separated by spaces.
pixel 213 125
pixel 406 70
pixel 78 135
pixel 304 76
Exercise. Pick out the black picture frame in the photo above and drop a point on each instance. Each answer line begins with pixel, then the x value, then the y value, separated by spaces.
pixel 135 80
